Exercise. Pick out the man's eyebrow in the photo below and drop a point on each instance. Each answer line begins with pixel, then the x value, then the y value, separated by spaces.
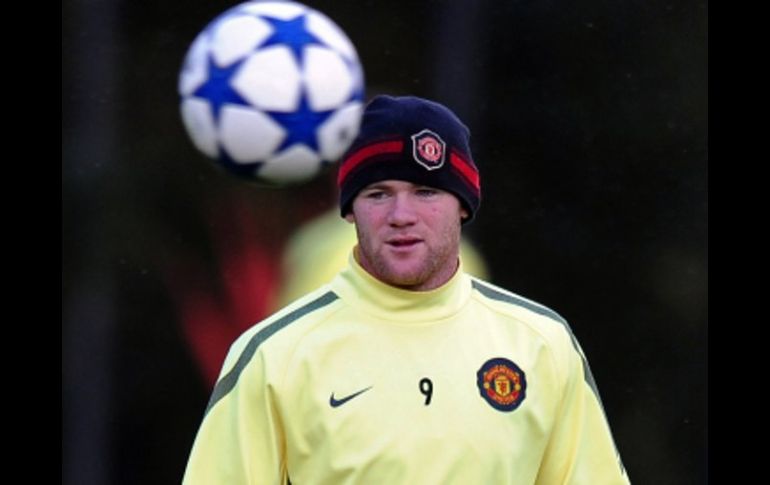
pixel 377 186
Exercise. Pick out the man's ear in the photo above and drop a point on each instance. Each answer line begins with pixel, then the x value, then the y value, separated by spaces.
pixel 350 217
pixel 463 214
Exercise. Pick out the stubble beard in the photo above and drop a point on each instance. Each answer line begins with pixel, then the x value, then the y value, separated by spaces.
pixel 437 266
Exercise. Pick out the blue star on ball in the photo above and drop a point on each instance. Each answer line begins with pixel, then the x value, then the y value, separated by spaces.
pixel 301 124
pixel 217 87
pixel 293 34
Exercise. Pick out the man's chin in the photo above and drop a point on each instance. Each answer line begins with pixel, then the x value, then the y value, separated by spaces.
pixel 404 277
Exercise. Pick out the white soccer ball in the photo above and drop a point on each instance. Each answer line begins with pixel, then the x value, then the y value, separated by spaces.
pixel 272 91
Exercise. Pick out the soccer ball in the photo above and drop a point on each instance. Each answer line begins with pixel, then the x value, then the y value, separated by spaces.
pixel 272 91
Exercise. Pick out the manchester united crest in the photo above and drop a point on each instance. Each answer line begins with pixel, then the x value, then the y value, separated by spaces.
pixel 502 384
pixel 428 149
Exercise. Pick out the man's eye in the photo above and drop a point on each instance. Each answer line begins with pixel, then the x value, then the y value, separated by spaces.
pixel 426 192
pixel 375 194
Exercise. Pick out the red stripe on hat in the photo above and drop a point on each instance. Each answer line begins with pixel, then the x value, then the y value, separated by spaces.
pixel 466 170
pixel 356 158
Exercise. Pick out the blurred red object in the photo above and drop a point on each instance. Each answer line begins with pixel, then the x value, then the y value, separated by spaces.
pixel 216 303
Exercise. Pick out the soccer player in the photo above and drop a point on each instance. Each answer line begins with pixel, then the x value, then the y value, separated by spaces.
pixel 404 369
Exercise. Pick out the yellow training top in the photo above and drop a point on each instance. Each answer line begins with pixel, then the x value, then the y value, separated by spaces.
pixel 363 383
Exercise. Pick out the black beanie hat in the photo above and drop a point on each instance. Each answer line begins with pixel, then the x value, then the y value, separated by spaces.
pixel 415 140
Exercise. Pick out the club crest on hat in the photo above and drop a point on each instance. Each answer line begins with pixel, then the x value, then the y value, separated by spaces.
pixel 428 149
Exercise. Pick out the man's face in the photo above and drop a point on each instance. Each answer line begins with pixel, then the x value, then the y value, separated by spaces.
pixel 408 235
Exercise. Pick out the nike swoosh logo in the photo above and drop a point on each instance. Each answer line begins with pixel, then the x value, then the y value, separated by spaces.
pixel 339 402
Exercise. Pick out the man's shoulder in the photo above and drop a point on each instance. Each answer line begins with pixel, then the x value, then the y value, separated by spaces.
pixel 267 344
pixel 292 318
pixel 514 309
pixel 514 304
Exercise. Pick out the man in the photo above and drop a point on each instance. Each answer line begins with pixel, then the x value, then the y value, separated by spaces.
pixel 404 369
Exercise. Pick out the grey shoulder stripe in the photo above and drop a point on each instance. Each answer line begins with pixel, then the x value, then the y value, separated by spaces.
pixel 227 383
pixel 495 294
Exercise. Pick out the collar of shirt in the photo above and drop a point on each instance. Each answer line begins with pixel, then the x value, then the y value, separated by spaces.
pixel 366 293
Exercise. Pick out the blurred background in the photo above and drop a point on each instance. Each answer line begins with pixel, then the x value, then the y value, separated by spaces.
pixel 589 123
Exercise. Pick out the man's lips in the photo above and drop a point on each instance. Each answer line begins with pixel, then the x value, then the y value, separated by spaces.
pixel 403 242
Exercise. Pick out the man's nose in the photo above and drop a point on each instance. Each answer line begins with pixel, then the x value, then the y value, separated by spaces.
pixel 402 211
